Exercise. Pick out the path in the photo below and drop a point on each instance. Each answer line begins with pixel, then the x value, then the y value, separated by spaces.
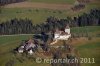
pixel 15 35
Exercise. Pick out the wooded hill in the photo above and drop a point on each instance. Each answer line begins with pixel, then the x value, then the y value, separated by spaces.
pixel 25 26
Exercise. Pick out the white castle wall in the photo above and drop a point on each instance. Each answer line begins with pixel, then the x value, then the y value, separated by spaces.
pixel 63 37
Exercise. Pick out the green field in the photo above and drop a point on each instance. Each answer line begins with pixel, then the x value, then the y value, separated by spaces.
pixel 39 15
pixel 88 49
pixel 91 31
pixel 55 1
pixel 36 15
pixel 7 44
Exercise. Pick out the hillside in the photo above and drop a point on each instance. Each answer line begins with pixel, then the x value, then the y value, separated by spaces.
pixel 36 23
pixel 39 11
pixel 84 47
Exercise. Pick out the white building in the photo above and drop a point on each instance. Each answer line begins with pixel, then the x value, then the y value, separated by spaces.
pixel 30 52
pixel 62 35
pixel 21 49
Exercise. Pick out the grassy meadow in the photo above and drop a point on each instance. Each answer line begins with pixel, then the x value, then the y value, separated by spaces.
pixel 36 15
pixel 90 49
pixel 9 43
pixel 91 31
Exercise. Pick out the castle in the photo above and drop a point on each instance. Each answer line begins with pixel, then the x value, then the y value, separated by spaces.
pixel 61 35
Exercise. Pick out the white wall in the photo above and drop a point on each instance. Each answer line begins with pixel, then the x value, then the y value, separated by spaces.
pixel 67 31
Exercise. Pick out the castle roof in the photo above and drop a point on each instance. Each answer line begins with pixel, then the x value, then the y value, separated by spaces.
pixel 67 27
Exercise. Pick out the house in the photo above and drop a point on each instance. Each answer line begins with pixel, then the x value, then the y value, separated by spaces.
pixel 27 46
pixel 20 50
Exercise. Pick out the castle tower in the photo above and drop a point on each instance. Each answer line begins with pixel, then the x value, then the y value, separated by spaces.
pixel 67 29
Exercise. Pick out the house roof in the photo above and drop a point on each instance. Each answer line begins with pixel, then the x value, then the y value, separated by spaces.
pixel 64 33
pixel 67 27
pixel 30 41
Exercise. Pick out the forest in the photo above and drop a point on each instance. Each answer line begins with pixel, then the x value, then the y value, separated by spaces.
pixel 25 26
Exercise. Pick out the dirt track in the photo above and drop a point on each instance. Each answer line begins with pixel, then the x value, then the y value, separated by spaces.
pixel 39 5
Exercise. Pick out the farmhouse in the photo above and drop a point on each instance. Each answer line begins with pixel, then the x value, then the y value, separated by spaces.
pixel 27 46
